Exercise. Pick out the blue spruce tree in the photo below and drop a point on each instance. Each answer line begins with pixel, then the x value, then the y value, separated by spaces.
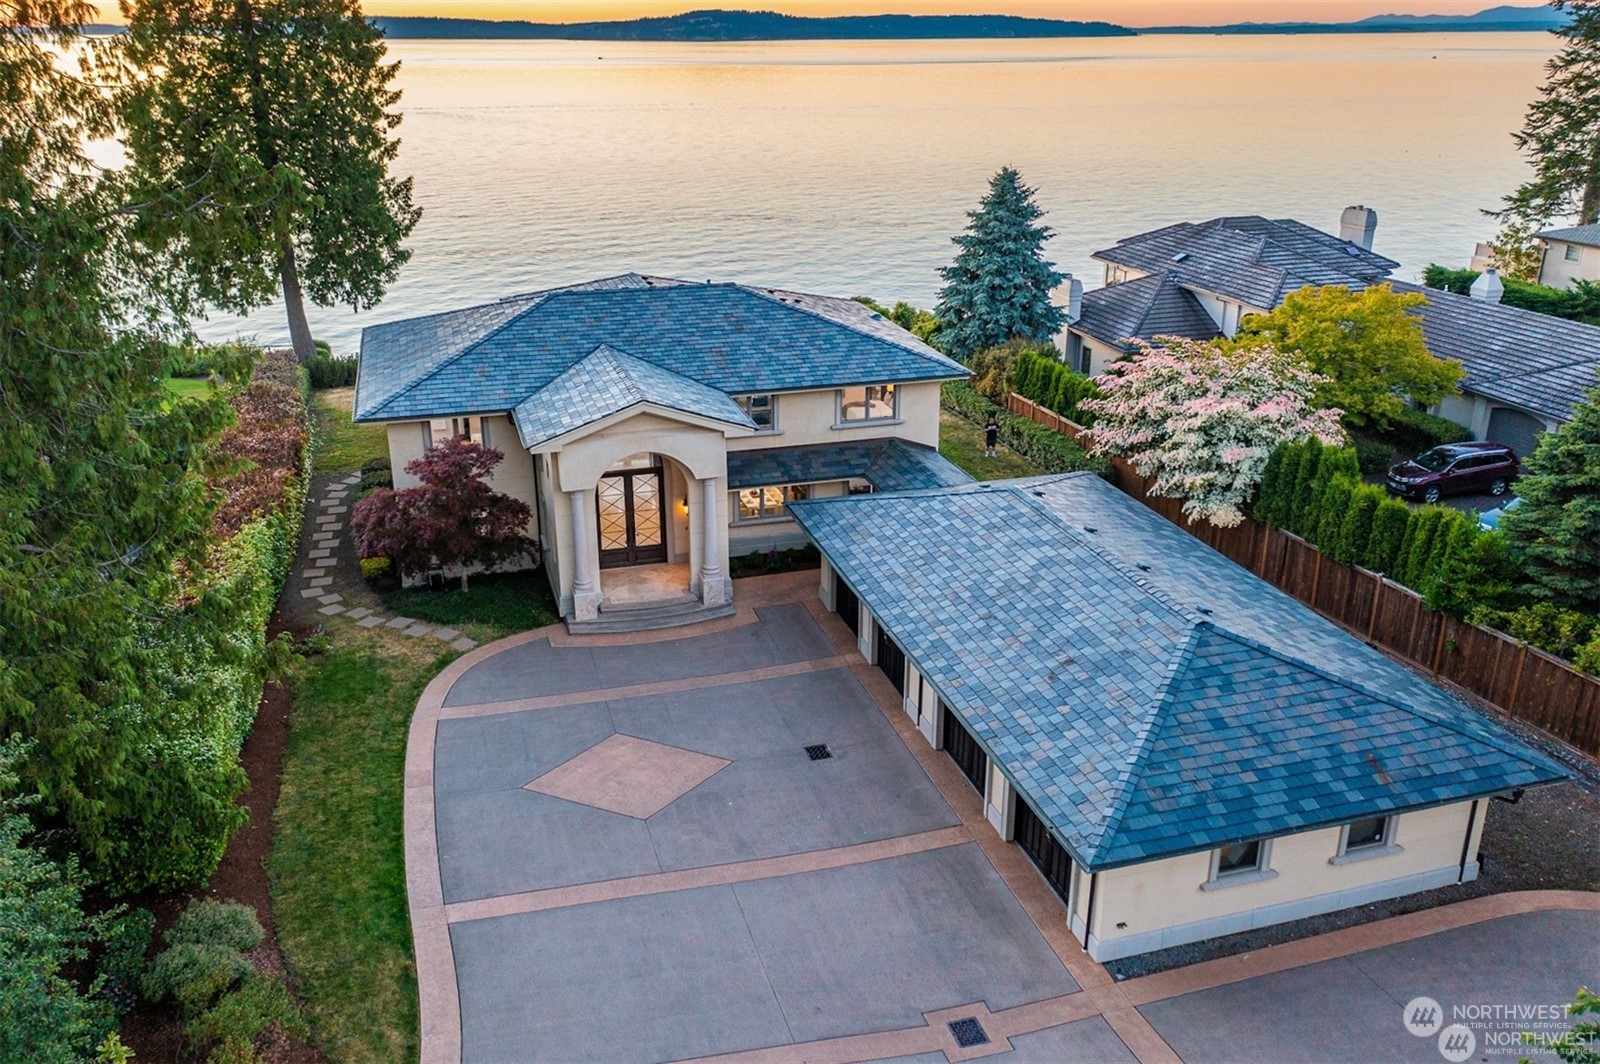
pixel 999 286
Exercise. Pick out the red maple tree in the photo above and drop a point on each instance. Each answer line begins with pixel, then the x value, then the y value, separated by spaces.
pixel 452 519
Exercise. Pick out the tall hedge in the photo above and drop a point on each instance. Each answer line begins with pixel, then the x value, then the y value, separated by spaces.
pixel 1047 381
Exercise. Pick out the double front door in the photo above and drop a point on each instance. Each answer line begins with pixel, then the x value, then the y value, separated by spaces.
pixel 632 527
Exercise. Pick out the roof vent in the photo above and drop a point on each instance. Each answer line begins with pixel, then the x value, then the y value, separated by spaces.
pixel 1038 494
pixel 1180 256
pixel 1203 609
pixel 1090 528
pixel 876 316
pixel 1142 567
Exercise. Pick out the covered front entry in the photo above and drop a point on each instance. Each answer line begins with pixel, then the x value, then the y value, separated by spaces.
pixel 629 513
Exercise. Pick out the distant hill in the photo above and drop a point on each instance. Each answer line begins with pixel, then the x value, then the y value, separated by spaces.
pixel 756 26
pixel 1503 19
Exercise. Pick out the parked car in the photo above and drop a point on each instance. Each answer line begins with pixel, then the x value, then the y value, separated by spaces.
pixel 1489 520
pixel 1454 469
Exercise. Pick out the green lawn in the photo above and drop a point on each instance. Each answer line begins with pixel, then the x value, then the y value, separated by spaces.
pixel 494 605
pixel 338 859
pixel 187 386
pixel 343 445
pixel 962 442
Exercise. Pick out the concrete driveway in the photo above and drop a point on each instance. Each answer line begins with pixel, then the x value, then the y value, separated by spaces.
pixel 622 849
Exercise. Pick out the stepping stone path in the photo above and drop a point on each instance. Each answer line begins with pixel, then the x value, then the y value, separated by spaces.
pixel 333 511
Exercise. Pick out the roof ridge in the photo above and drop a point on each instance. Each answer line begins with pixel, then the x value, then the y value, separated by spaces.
pixel 934 358
pixel 1427 714
pixel 1176 667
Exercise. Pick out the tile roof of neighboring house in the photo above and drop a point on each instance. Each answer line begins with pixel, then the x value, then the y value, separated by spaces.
pixel 1251 259
pixel 1142 309
pixel 889 464
pixel 1149 697
pixel 1588 235
pixel 1522 358
pixel 734 338
pixel 608 382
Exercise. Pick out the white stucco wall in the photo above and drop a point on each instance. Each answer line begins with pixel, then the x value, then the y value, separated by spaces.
pixel 1557 272
pixel 1164 903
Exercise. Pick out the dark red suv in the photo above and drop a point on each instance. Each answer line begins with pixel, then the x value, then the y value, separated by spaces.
pixel 1454 469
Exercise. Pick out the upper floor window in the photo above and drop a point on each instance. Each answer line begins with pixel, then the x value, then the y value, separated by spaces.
pixel 1115 274
pixel 444 428
pixel 1573 253
pixel 766 504
pixel 762 409
pixel 872 402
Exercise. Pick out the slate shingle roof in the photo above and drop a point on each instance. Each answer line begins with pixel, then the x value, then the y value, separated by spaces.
pixel 1148 696
pixel 1519 357
pixel 733 338
pixel 1250 259
pixel 609 381
pixel 888 464
pixel 1144 308
pixel 1588 235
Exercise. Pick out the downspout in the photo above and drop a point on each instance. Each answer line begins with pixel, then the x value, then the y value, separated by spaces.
pixel 1466 843
pixel 1088 920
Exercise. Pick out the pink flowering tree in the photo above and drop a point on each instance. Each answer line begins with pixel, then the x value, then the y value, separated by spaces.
pixel 453 519
pixel 1201 422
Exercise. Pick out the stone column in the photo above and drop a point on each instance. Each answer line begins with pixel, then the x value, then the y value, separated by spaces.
pixel 714 589
pixel 585 581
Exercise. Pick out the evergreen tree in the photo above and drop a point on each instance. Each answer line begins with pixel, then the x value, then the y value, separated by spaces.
pixel 100 489
pixel 1268 506
pixel 1305 475
pixel 999 286
pixel 1356 528
pixel 1556 529
pixel 278 113
pixel 1479 572
pixel 1561 134
pixel 1332 507
pixel 1390 522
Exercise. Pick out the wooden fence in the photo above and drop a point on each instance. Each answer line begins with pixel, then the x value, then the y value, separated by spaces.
pixel 1513 677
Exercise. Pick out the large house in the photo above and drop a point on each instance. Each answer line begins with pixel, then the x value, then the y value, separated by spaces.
pixel 660 425
pixel 1524 371
pixel 1570 255
pixel 1183 750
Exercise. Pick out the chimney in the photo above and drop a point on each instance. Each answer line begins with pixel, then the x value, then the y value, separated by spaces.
pixel 1074 299
pixel 1357 225
pixel 1488 286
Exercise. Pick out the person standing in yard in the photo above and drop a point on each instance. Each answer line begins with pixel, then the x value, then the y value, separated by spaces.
pixel 991 437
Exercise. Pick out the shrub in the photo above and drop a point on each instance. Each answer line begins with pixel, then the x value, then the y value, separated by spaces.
pixel 194 975
pixel 1372 455
pixel 1580 303
pixel 1545 625
pixel 379 464
pixel 212 922
pixel 375 569
pixel 1356 529
pixel 1305 475
pixel 1415 431
pixel 1040 376
pixel 121 968
pixel 1334 505
pixel 994 370
pixel 1389 523
pixel 324 371
pixel 1480 573
pixel 233 1025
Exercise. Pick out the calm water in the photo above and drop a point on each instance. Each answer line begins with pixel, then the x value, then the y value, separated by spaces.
pixel 845 167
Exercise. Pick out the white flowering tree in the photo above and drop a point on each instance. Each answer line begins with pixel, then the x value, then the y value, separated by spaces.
pixel 1201 422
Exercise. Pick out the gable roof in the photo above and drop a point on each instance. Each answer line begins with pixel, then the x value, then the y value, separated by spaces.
pixel 1522 358
pixel 1588 235
pixel 608 381
pixel 1149 697
pixel 1144 308
pixel 1254 260
pixel 729 337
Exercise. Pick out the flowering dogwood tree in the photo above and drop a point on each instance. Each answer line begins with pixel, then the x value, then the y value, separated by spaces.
pixel 452 519
pixel 1201 421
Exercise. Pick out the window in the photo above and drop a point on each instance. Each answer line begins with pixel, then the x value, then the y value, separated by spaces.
pixel 766 504
pixel 1573 253
pixel 762 409
pixel 874 402
pixel 1240 862
pixel 444 428
pixel 1361 839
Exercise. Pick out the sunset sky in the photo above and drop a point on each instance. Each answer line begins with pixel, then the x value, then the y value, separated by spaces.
pixel 1124 12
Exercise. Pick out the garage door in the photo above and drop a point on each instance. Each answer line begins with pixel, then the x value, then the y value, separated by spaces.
pixel 964 749
pixel 1514 429
pixel 846 605
pixel 1048 855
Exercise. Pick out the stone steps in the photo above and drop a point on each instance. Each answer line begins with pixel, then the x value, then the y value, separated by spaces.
pixel 649 619
pixel 660 607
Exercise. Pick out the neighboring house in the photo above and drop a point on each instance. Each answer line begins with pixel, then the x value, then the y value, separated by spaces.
pixel 655 422
pixel 1183 750
pixel 1524 371
pixel 1570 255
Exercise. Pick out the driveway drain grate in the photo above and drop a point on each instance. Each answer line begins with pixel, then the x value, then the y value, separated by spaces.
pixel 820 752
pixel 969 1032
